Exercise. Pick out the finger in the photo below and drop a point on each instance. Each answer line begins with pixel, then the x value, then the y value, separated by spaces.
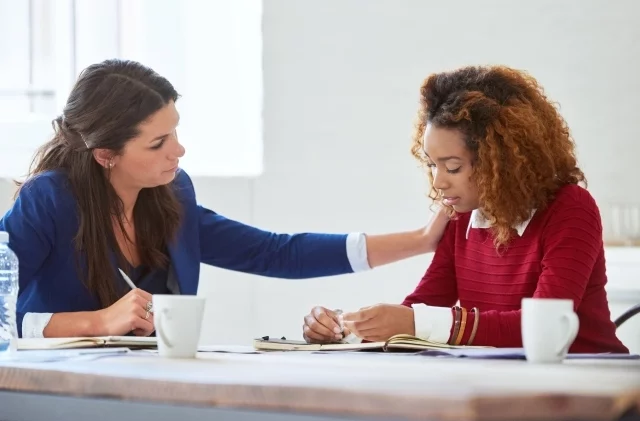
pixel 317 328
pixel 374 335
pixel 141 301
pixel 139 323
pixel 139 332
pixel 142 293
pixel 148 316
pixel 353 329
pixel 360 315
pixel 365 329
pixel 314 337
pixel 364 325
pixel 327 318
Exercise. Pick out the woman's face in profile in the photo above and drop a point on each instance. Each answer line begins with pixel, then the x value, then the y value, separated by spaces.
pixel 451 166
pixel 151 159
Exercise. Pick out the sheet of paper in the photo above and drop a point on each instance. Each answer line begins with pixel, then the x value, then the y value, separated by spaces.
pixel 231 349
pixel 514 354
pixel 57 355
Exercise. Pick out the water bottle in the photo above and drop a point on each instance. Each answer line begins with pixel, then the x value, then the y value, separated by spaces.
pixel 8 296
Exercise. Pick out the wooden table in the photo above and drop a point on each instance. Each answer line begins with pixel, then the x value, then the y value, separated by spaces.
pixel 288 386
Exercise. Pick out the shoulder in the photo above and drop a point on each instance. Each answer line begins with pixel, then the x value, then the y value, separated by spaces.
pixel 574 194
pixel 44 201
pixel 50 188
pixel 456 229
pixel 573 208
pixel 575 200
pixel 183 186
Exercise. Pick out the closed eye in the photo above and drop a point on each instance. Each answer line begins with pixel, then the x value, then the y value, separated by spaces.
pixel 159 144
pixel 454 171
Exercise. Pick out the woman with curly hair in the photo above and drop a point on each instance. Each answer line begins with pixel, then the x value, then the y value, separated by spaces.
pixel 501 160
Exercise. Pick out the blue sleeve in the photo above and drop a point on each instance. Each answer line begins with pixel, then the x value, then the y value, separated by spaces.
pixel 232 245
pixel 31 228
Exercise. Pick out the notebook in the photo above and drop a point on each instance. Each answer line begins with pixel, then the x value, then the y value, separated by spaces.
pixel 137 342
pixel 395 343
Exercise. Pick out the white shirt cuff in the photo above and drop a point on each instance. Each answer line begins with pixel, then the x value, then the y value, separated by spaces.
pixel 357 252
pixel 432 323
pixel 33 324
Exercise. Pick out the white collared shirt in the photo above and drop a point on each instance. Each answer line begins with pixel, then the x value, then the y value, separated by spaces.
pixel 434 323
pixel 477 220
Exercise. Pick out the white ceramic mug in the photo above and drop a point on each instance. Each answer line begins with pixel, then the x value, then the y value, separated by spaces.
pixel 178 321
pixel 549 327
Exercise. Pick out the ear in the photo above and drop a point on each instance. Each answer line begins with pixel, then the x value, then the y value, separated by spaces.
pixel 104 157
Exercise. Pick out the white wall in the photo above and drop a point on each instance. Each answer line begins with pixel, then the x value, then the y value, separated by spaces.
pixel 341 91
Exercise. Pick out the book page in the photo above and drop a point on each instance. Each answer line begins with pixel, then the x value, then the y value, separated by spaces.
pixel 58 343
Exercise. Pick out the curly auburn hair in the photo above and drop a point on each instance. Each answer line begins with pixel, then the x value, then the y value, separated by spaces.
pixel 522 150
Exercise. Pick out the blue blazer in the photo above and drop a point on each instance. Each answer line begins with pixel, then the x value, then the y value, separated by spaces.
pixel 43 222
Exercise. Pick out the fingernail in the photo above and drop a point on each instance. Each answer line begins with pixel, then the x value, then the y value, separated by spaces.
pixel 339 336
pixel 336 329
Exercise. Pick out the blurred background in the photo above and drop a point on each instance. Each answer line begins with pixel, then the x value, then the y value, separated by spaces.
pixel 297 116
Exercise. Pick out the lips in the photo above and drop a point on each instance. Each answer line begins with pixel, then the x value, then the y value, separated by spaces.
pixel 450 200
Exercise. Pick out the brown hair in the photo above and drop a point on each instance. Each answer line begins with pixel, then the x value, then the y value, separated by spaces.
pixel 523 151
pixel 104 109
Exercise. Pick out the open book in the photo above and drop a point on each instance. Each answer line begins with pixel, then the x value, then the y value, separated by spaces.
pixel 395 343
pixel 87 342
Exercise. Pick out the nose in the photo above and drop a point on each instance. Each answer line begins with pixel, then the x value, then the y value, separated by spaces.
pixel 178 150
pixel 181 150
pixel 440 181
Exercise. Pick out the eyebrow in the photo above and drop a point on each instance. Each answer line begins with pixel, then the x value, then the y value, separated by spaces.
pixel 166 134
pixel 445 158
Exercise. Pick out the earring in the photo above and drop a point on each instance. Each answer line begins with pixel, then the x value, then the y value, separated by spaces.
pixel 110 164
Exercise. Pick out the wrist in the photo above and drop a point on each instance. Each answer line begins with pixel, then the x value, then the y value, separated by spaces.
pixel 423 241
pixel 412 323
pixel 94 324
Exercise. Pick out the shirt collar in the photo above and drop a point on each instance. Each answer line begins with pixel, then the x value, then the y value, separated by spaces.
pixel 478 221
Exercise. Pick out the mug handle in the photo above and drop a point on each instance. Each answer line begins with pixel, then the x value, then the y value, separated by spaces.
pixel 158 320
pixel 573 324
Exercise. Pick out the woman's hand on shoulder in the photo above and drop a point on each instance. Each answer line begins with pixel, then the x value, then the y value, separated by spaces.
pixel 322 325
pixel 435 230
pixel 128 314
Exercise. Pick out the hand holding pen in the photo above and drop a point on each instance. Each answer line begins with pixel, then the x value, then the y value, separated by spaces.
pixel 131 313
pixel 149 306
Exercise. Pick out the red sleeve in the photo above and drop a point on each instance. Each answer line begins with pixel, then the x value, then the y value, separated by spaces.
pixel 571 244
pixel 438 285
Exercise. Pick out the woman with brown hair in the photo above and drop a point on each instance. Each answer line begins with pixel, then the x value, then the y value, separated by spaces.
pixel 106 218
pixel 501 160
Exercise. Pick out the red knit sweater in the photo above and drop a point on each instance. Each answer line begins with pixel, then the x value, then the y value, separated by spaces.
pixel 559 255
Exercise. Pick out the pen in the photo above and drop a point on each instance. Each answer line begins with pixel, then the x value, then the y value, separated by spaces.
pixel 127 279
pixel 133 286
